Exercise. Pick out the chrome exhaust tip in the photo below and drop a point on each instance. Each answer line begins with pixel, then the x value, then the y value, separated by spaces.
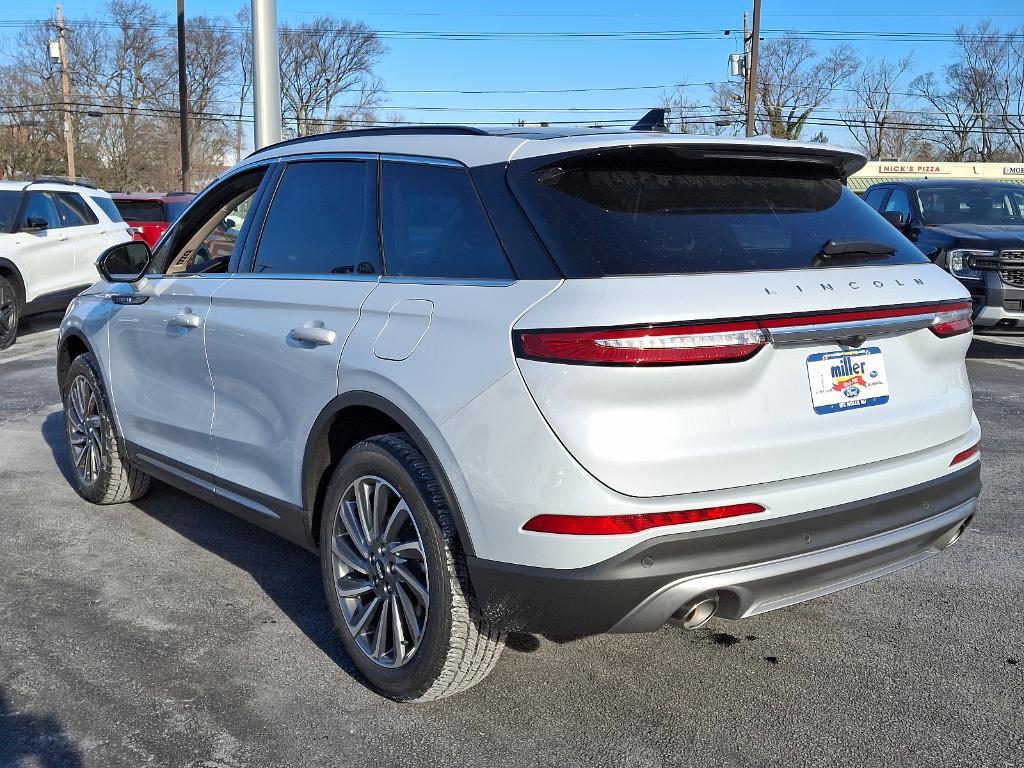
pixel 950 537
pixel 696 613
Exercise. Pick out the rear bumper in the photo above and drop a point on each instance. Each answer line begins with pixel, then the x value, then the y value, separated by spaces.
pixel 754 567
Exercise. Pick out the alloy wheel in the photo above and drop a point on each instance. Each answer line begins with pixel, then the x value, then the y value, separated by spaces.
pixel 8 310
pixel 379 571
pixel 85 430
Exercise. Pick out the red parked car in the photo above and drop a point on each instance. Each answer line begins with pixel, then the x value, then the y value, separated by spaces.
pixel 148 214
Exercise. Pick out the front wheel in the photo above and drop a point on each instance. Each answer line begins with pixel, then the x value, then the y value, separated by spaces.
pixel 102 474
pixel 395 576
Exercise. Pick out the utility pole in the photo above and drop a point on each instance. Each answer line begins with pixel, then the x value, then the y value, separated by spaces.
pixel 266 74
pixel 746 60
pixel 755 38
pixel 186 163
pixel 65 87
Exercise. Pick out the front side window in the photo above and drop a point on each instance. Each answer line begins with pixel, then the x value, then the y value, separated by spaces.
pixel 322 221
pixel 73 210
pixel 435 225
pixel 661 210
pixel 41 207
pixel 206 239
pixel 899 202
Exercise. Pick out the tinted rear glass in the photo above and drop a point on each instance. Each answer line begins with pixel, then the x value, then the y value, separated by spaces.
pixel 141 210
pixel 8 209
pixel 107 206
pixel 1000 204
pixel 175 208
pixel 652 210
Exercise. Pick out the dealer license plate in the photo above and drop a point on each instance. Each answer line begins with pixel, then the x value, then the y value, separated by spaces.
pixel 841 381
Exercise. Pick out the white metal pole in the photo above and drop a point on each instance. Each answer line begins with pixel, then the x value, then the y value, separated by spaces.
pixel 266 73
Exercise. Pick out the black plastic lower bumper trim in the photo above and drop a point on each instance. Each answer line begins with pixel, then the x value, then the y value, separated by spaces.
pixel 594 599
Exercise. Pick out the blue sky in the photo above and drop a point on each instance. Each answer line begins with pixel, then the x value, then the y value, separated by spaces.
pixel 413 65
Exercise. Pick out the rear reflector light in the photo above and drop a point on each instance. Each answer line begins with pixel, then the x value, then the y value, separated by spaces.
pixel 673 345
pixel 965 455
pixel 953 319
pixel 607 525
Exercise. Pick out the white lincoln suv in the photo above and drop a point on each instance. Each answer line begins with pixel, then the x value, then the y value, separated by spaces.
pixel 51 233
pixel 566 382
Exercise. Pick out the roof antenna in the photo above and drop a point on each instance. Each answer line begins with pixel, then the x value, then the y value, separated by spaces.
pixel 654 120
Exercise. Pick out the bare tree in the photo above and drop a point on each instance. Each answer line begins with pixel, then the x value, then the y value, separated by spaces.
pixel 323 60
pixel 686 114
pixel 1009 92
pixel 871 112
pixel 242 54
pixel 966 120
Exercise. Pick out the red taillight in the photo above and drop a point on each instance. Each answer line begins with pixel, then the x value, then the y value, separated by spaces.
pixel 952 319
pixel 607 525
pixel 673 345
pixel 966 454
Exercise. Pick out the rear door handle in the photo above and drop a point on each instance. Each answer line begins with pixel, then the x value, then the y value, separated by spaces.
pixel 185 319
pixel 313 335
pixel 62 237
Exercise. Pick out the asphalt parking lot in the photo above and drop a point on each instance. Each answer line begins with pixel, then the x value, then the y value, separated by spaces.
pixel 168 633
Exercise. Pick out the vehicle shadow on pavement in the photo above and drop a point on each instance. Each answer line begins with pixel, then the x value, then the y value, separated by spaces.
pixel 989 348
pixel 288 574
pixel 34 739
pixel 45 321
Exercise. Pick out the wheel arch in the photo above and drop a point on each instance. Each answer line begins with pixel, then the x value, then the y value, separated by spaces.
pixel 348 419
pixel 73 344
pixel 10 270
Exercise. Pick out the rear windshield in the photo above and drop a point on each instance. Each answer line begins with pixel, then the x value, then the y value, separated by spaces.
pixel 175 208
pixel 652 210
pixel 141 210
pixel 971 205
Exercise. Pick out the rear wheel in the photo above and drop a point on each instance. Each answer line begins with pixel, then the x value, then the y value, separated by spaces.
pixel 395 576
pixel 103 475
pixel 9 313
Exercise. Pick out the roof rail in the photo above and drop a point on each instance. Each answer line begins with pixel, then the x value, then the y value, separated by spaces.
pixel 398 130
pixel 60 180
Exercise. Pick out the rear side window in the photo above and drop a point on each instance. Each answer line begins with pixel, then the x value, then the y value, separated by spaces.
pixel 73 210
pixel 435 225
pixel 108 207
pixel 655 210
pixel 876 197
pixel 322 221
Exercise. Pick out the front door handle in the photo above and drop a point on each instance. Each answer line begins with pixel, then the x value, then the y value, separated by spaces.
pixel 313 335
pixel 185 319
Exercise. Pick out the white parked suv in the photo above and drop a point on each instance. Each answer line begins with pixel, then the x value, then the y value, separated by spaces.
pixel 51 233
pixel 567 382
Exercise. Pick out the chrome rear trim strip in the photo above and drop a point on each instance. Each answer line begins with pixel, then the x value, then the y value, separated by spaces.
pixel 798 334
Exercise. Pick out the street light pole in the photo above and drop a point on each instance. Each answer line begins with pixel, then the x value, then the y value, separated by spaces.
pixel 266 74
pixel 186 163
pixel 755 37
pixel 65 87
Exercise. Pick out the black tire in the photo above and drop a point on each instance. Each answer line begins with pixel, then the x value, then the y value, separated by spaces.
pixel 116 480
pixel 457 648
pixel 10 313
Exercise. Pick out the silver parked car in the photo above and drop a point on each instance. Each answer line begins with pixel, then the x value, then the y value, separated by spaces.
pixel 569 382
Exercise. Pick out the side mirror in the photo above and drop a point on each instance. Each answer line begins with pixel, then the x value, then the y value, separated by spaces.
pixel 124 263
pixel 896 219
pixel 230 224
pixel 35 224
